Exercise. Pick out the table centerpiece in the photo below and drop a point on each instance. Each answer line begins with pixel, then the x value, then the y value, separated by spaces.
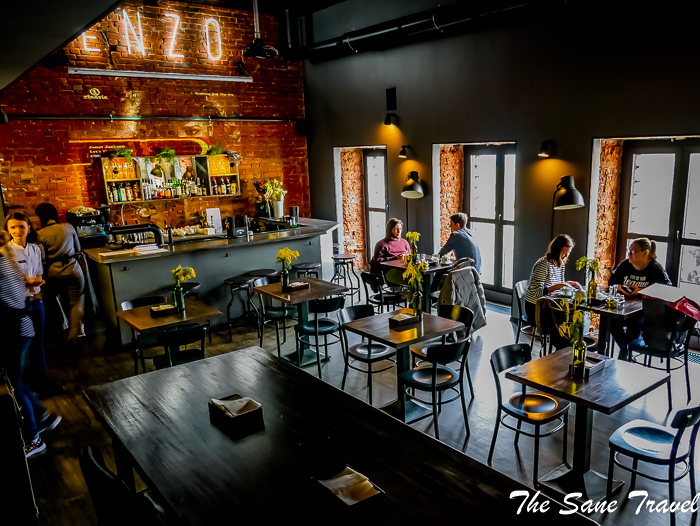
pixel 285 256
pixel 181 275
pixel 414 275
pixel 572 329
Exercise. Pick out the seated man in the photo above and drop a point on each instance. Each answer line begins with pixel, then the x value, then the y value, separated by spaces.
pixel 461 241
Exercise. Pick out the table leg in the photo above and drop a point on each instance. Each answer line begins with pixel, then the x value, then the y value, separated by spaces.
pixel 405 410
pixel 308 357
pixel 581 479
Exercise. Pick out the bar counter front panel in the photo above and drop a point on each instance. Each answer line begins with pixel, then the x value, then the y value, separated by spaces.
pixel 123 277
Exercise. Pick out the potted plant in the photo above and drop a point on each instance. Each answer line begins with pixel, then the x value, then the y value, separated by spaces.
pixel 591 267
pixel 120 151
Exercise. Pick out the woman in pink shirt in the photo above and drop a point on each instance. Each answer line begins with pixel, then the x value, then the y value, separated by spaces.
pixel 393 246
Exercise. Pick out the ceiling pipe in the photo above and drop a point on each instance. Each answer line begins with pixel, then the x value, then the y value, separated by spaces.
pixel 426 24
pixel 146 118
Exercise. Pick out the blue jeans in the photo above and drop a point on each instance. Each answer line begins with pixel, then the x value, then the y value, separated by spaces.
pixel 37 357
pixel 26 398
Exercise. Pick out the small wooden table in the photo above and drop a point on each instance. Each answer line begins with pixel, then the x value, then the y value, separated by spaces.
pixel 160 426
pixel 376 328
pixel 140 318
pixel 318 288
pixel 618 384
pixel 431 272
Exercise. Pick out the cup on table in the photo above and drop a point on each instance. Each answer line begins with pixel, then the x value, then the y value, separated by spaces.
pixel 567 291
pixel 445 260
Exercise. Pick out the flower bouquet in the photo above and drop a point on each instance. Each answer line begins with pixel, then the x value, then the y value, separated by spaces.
pixel 181 275
pixel 285 256
pixel 414 275
pixel 572 329
pixel 591 267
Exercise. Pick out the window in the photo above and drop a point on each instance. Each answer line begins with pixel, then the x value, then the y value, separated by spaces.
pixel 375 197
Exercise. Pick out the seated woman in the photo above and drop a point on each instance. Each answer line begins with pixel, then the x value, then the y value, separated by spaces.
pixel 635 273
pixel 393 246
pixel 548 273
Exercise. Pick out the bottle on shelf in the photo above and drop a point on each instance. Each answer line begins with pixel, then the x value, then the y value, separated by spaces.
pixel 167 192
pixel 228 185
pixel 110 193
pixel 129 193
pixel 214 187
pixel 135 192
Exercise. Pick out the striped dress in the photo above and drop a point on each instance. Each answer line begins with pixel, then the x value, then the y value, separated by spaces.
pixel 12 293
pixel 544 274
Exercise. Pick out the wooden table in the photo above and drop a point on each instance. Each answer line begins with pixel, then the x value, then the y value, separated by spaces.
pixel 140 317
pixel 619 384
pixel 160 426
pixel 431 272
pixel 318 288
pixel 376 329
pixel 631 307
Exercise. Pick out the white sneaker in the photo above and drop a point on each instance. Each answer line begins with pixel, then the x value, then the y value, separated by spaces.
pixel 35 447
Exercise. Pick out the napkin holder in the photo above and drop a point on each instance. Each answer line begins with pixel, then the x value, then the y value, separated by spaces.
pixel 236 425
pixel 295 286
pixel 595 363
pixel 158 311
pixel 402 319
pixel 373 504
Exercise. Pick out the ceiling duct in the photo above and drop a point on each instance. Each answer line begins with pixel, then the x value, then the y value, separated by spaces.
pixel 258 48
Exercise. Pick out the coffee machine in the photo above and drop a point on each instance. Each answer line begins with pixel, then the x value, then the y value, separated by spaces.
pixel 90 228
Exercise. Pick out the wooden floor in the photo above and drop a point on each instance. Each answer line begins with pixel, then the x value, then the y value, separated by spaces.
pixel 63 499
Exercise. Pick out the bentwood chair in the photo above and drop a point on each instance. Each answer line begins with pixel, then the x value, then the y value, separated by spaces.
pixel 660 446
pixel 533 408
pixel 666 335
pixel 176 338
pixel 380 297
pixel 142 341
pixel 273 313
pixel 319 327
pixel 434 376
pixel 367 353
pixel 523 320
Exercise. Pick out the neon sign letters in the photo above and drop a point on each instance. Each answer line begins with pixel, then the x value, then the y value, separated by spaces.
pixel 133 34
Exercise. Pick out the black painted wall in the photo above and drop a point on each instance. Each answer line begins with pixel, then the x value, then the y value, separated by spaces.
pixel 573 76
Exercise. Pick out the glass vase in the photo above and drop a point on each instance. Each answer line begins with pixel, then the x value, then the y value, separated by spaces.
pixel 592 288
pixel 285 279
pixel 578 363
pixel 179 297
pixel 417 304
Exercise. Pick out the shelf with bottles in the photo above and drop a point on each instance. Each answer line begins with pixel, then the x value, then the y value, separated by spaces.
pixel 220 173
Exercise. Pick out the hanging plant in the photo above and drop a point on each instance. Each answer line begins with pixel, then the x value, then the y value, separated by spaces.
pixel 166 154
pixel 120 151
pixel 215 150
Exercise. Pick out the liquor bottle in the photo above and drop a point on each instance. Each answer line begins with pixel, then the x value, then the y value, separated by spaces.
pixel 228 185
pixel 110 193
pixel 122 193
pixel 129 193
pixel 222 186
pixel 167 193
pixel 214 187
pixel 135 191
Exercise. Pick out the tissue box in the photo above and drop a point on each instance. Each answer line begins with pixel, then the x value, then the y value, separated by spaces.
pixel 158 311
pixel 399 320
pixel 353 491
pixel 236 415
pixel 295 285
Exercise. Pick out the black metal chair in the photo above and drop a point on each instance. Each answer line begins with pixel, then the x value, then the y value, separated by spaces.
pixel 658 445
pixel 174 339
pixel 367 353
pixel 273 313
pixel 142 341
pixel 520 291
pixel 435 377
pixel 380 296
pixel 114 504
pixel 533 408
pixel 319 327
pixel 454 313
pixel 666 335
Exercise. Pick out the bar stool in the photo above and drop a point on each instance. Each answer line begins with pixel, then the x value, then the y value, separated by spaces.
pixel 344 268
pixel 262 273
pixel 241 284
pixel 306 269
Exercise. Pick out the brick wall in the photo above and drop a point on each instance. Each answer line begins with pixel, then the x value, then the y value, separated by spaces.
pixel 351 169
pixel 608 207
pixel 44 162
pixel 451 186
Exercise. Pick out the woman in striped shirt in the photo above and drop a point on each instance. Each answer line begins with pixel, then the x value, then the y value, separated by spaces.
pixel 548 273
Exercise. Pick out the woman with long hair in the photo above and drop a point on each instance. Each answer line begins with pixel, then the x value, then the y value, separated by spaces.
pixel 548 273
pixel 393 246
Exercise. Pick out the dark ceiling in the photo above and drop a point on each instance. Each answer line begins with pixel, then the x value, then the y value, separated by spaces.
pixel 34 31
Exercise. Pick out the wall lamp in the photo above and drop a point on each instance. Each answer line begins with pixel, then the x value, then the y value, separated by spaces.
pixel 402 153
pixel 547 149
pixel 387 119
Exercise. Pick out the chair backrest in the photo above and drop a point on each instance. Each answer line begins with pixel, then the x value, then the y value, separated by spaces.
pixel 110 496
pixel 684 419
pixel 261 282
pixel 373 281
pixel 445 352
pixel 326 305
pixel 506 357
pixel 520 291
pixel 458 313
pixel 664 328
pixel 355 313
pixel 177 337
pixel 142 302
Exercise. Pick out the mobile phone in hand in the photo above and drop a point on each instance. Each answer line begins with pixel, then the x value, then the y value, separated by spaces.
pixel 627 289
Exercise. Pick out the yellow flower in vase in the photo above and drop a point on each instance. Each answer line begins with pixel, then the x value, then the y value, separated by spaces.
pixel 285 256
pixel 181 275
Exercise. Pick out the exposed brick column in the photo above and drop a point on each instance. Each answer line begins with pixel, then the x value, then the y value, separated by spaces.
pixel 451 186
pixel 353 205
pixel 608 208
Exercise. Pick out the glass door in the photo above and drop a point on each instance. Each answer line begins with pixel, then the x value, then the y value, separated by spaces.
pixel 489 174
pixel 375 198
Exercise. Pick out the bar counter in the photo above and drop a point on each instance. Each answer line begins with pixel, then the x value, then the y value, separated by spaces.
pixel 121 277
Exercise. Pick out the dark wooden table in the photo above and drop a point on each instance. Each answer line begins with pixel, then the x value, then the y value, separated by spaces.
pixel 432 272
pixel 318 288
pixel 631 307
pixel 140 318
pixel 376 329
pixel 619 384
pixel 160 426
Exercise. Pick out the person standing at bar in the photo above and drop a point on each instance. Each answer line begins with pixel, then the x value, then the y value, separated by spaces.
pixel 17 331
pixel 461 241
pixel 27 255
pixel 634 274
pixel 63 272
